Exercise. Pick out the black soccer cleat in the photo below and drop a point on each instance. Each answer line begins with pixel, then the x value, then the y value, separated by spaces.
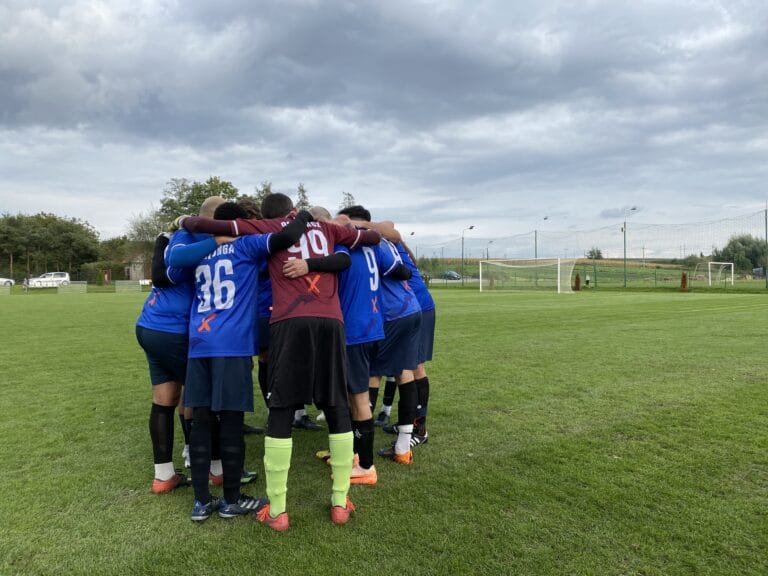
pixel 306 423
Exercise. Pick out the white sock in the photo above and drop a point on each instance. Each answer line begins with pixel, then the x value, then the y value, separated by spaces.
pixel 216 468
pixel 299 413
pixel 386 409
pixel 164 471
pixel 403 443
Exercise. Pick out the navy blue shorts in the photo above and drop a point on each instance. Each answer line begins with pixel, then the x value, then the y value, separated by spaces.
pixel 400 348
pixel 166 354
pixel 307 363
pixel 359 358
pixel 426 335
pixel 220 383
pixel 263 333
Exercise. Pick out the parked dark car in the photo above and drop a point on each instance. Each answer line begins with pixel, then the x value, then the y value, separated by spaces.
pixel 450 275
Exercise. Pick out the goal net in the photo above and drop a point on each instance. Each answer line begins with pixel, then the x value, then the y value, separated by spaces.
pixel 719 272
pixel 551 274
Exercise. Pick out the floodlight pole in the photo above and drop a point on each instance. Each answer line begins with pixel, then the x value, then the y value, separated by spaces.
pixel 462 252
pixel 487 252
pixel 624 230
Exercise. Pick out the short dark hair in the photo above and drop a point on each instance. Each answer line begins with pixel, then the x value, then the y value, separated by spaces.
pixel 356 212
pixel 250 206
pixel 276 205
pixel 229 211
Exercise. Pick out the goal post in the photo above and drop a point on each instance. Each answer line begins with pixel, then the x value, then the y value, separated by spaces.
pixel 720 266
pixel 545 274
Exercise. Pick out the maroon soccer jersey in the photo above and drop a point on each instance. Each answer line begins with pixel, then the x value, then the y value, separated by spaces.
pixel 312 295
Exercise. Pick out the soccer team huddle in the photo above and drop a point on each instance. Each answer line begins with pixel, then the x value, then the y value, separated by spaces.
pixel 329 305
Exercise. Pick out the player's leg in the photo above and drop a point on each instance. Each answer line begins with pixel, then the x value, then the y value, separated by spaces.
pixel 166 357
pixel 165 396
pixel 330 392
pixel 401 337
pixel 390 388
pixel 340 444
pixel 426 345
pixel 232 397
pixel 290 377
pixel 197 397
pixel 278 447
pixel 358 368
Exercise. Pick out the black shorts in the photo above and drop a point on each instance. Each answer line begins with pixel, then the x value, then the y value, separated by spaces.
pixel 220 383
pixel 426 336
pixel 307 363
pixel 359 358
pixel 166 354
pixel 263 336
pixel 400 348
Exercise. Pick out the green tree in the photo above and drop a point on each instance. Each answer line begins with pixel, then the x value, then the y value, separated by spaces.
pixel 44 241
pixel 347 200
pixel 745 251
pixel 182 197
pixel 262 191
pixel 302 199
pixel 595 253
pixel 145 226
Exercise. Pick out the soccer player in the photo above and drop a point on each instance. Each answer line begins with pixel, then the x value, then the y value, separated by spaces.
pixel 398 353
pixel 222 342
pixel 307 352
pixel 162 331
pixel 359 295
pixel 426 343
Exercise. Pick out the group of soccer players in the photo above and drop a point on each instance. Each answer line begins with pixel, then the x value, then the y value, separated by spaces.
pixel 329 305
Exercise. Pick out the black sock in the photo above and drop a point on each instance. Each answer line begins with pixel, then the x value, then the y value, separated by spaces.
pixel 262 375
pixel 161 432
pixel 406 406
pixel 184 426
pixel 188 422
pixel 363 441
pixel 200 453
pixel 373 396
pixel 215 428
pixel 338 418
pixel 232 452
pixel 389 391
pixel 422 389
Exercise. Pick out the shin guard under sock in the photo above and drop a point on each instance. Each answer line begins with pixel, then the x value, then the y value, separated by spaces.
pixel 342 456
pixel 363 444
pixel 277 462
pixel 232 452
pixel 161 432
pixel 422 390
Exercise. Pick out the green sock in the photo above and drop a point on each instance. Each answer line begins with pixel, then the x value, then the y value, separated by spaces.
pixel 277 461
pixel 342 456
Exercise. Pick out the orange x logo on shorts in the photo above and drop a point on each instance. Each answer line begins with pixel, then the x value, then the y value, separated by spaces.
pixel 375 304
pixel 204 324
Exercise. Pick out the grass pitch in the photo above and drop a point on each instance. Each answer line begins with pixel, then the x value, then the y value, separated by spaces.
pixel 591 433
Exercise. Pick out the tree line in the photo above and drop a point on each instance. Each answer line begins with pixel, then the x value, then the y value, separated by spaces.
pixel 33 244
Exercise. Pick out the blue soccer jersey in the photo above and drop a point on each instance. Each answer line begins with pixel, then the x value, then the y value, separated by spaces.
pixel 359 295
pixel 223 318
pixel 167 309
pixel 397 297
pixel 416 282
pixel 265 294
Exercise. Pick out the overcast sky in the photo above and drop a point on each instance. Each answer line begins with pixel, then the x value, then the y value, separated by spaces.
pixel 436 114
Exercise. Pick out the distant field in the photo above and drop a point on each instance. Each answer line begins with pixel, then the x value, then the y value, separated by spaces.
pixel 599 433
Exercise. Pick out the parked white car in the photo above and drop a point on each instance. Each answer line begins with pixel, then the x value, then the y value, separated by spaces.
pixel 7 282
pixel 49 280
